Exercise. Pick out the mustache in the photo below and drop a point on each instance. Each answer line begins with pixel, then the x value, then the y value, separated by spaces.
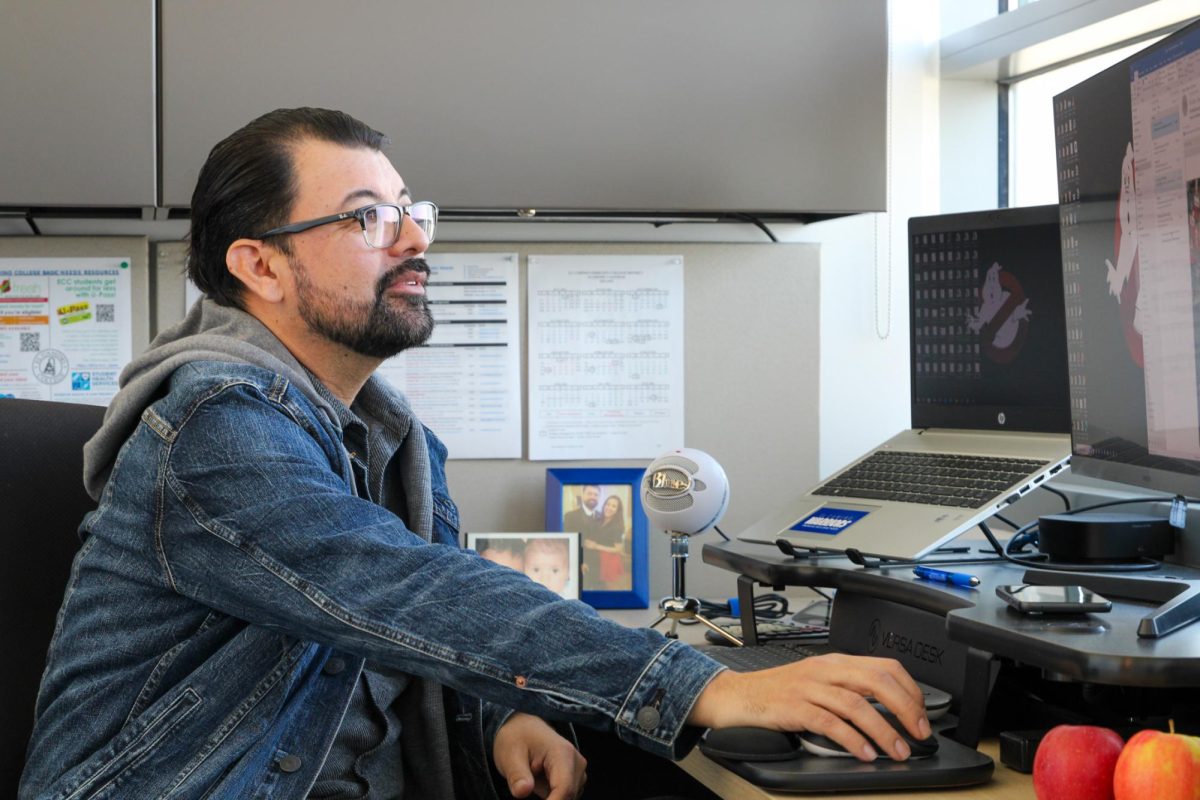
pixel 408 265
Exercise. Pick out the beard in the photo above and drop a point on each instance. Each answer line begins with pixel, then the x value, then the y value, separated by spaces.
pixel 377 329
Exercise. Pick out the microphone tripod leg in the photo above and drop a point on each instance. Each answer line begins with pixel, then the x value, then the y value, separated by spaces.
pixel 712 625
pixel 671 634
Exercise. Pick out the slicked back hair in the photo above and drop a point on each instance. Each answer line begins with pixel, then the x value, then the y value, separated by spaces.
pixel 248 185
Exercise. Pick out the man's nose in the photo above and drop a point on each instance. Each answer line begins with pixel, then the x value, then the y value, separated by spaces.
pixel 412 241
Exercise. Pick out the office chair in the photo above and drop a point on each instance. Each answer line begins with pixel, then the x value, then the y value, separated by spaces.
pixel 42 502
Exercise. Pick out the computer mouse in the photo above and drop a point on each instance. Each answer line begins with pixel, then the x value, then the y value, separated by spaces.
pixel 820 745
pixel 937 701
pixel 750 744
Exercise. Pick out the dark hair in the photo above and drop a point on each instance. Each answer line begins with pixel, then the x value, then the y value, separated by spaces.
pixel 247 186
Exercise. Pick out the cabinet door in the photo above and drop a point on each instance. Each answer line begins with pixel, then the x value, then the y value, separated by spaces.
pixel 687 105
pixel 77 104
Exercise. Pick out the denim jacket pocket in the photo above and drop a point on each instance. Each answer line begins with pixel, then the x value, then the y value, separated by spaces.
pixel 108 769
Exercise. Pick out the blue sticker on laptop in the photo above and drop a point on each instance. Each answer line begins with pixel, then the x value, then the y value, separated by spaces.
pixel 829 520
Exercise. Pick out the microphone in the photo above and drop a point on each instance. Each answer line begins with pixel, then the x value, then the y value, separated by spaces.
pixel 684 492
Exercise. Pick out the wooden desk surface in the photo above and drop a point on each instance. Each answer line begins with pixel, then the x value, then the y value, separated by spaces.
pixel 1006 784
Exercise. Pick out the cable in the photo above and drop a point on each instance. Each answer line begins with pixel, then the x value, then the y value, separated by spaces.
pixel 1023 536
pixel 1006 521
pixel 758 223
pixel 721 532
pixel 766 606
pixel 1066 500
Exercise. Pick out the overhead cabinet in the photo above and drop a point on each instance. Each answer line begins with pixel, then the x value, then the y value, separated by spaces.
pixel 77 103
pixel 623 105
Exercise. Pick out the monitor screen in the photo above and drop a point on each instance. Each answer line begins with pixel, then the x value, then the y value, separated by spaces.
pixel 987 335
pixel 1128 160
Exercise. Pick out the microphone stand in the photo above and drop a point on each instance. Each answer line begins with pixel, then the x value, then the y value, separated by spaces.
pixel 679 605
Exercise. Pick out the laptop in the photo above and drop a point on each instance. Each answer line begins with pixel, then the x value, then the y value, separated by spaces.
pixel 989 394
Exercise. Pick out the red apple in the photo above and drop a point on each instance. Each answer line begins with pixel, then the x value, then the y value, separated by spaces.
pixel 1165 766
pixel 1076 762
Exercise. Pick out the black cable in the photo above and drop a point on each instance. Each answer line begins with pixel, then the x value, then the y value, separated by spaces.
pixel 721 532
pixel 1006 521
pixel 758 223
pixel 1066 500
pixel 32 225
pixel 766 606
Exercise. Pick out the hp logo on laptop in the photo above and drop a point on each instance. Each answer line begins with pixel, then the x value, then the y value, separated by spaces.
pixel 1001 418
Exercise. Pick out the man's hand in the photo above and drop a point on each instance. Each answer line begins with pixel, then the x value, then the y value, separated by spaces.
pixel 820 694
pixel 532 757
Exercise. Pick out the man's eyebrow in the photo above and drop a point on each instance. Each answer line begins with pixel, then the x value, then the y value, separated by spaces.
pixel 370 194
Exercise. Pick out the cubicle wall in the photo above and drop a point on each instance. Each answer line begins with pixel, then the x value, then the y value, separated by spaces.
pixel 751 387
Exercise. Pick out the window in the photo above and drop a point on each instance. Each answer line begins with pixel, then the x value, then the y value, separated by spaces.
pixel 1031 125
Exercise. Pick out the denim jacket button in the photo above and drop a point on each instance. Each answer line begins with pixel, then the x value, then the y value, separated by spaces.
pixel 648 718
pixel 334 666
pixel 290 763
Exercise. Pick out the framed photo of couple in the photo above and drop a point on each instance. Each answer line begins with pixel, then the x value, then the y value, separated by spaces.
pixel 604 507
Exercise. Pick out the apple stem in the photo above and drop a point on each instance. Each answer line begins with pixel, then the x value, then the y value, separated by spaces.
pixel 1171 726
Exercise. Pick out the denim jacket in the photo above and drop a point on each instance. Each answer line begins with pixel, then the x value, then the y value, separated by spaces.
pixel 230 586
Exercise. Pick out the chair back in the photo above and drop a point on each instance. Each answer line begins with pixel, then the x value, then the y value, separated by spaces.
pixel 42 502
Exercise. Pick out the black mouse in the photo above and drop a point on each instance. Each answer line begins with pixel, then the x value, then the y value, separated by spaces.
pixel 820 745
pixel 750 744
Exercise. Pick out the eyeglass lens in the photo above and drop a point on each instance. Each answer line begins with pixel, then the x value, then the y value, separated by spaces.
pixel 382 223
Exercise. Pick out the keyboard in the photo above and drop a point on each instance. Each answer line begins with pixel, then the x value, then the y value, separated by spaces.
pixel 765 656
pixel 930 478
pixel 771 631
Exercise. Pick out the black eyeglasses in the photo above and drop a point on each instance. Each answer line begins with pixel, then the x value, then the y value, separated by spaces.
pixel 381 222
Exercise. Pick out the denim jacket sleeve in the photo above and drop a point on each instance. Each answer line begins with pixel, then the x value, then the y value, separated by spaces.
pixel 255 519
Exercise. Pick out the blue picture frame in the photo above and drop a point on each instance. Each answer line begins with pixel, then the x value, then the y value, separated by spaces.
pixel 559 483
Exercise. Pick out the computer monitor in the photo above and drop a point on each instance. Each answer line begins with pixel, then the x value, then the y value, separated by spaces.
pixel 987 341
pixel 1128 160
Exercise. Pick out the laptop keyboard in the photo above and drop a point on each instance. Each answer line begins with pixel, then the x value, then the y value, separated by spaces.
pixel 930 478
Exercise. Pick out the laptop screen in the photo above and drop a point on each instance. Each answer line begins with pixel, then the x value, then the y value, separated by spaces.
pixel 987 333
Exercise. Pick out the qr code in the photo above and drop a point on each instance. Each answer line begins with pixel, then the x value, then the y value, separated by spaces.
pixel 105 313
pixel 31 342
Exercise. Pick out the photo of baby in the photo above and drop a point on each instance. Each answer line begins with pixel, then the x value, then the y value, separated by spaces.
pixel 551 559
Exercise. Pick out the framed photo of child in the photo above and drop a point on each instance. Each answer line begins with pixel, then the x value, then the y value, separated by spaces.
pixel 550 558
pixel 604 507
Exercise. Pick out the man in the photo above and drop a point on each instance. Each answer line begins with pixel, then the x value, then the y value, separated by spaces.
pixel 270 601
pixel 586 517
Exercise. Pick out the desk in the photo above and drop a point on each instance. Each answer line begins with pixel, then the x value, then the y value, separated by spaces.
pixel 1006 784
pixel 1096 648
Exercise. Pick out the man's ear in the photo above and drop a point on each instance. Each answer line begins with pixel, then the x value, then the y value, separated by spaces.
pixel 257 266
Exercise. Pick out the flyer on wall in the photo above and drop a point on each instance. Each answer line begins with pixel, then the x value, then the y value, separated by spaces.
pixel 66 328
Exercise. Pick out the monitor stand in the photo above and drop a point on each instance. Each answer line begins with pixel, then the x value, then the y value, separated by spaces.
pixel 1180 599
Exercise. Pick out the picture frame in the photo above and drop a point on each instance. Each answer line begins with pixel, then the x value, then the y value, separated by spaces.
pixel 540 555
pixel 613 542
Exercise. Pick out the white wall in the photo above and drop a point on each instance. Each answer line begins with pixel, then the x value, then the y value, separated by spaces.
pixel 864 259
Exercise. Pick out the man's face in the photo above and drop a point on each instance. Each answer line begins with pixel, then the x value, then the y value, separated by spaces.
pixel 591 496
pixel 369 300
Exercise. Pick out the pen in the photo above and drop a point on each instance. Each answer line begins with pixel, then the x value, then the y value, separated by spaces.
pixel 942 576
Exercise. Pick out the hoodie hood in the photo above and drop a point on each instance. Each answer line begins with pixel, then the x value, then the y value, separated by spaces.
pixel 209 332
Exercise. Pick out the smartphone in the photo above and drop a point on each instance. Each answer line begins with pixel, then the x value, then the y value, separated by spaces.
pixel 1030 599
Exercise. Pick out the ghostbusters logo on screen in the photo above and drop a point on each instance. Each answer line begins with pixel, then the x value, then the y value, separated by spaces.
pixel 1002 317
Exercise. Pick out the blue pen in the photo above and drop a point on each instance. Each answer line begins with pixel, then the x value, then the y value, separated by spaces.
pixel 942 576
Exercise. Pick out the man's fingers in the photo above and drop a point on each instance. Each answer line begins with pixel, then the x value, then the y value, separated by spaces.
pixel 564 772
pixel 516 771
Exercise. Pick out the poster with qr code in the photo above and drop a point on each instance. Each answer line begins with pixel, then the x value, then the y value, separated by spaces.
pixel 66 328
